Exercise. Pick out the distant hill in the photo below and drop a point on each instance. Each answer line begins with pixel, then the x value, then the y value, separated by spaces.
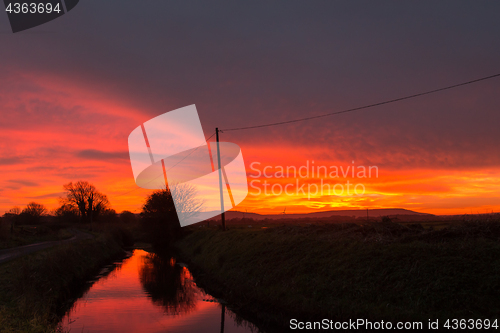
pixel 351 213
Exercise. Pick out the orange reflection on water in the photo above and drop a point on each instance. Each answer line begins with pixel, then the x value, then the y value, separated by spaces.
pixel 146 294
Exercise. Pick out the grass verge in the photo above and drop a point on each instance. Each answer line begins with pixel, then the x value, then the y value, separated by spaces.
pixel 380 271
pixel 8 240
pixel 36 290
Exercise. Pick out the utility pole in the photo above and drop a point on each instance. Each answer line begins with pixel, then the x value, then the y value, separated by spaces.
pixel 222 318
pixel 222 215
pixel 367 215
pixel 91 203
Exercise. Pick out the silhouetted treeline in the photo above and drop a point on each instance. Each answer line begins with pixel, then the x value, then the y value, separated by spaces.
pixel 159 219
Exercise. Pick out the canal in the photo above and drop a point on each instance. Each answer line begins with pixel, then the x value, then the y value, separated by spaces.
pixel 149 293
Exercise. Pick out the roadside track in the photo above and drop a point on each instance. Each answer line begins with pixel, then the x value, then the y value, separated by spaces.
pixel 15 252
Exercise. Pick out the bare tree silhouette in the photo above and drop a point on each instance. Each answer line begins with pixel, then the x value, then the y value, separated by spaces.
pixel 33 212
pixel 84 196
pixel 187 204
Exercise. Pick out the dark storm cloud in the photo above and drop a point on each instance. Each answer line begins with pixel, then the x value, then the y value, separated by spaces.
pixel 48 196
pixel 11 160
pixel 23 182
pixel 94 154
pixel 245 63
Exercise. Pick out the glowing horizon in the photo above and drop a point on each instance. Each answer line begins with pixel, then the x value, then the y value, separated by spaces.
pixel 42 154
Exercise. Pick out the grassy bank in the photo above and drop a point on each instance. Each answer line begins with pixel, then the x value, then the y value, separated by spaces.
pixel 35 290
pixel 380 271
pixel 24 235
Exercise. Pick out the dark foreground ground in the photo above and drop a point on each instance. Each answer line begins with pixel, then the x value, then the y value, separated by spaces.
pixel 36 289
pixel 19 251
pixel 377 271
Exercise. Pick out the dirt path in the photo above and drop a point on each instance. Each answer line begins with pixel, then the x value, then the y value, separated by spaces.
pixel 15 252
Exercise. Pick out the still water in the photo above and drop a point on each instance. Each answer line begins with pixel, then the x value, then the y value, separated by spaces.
pixel 148 293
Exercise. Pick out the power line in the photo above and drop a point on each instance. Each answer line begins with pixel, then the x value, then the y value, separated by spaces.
pixel 135 189
pixel 362 107
pixel 332 114
pixel 189 153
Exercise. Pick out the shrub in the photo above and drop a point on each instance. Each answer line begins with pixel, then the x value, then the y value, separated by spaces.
pixel 4 229
pixel 127 217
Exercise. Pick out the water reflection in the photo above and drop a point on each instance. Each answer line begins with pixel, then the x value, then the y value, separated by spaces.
pixel 169 285
pixel 148 293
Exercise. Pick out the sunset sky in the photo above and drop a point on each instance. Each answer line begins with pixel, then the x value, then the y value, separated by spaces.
pixel 72 90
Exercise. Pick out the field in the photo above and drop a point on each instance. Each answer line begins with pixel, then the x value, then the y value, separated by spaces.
pixel 28 234
pixel 427 221
pixel 377 271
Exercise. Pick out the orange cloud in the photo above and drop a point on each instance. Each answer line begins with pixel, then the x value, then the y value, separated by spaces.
pixel 55 131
